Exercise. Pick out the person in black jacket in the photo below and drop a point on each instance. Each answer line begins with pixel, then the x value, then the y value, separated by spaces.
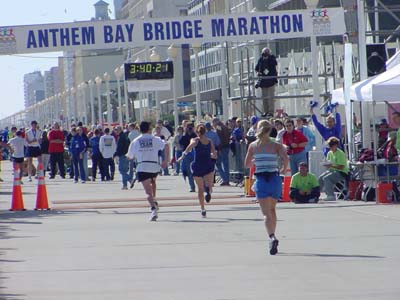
pixel 123 143
pixel 187 161
pixel 44 149
pixel 266 66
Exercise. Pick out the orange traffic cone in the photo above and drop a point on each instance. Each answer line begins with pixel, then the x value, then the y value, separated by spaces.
pixel 248 183
pixel 286 189
pixel 41 198
pixel 17 203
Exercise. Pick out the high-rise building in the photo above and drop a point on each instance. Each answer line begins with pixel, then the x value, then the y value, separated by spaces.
pixel 136 9
pixel 33 88
pixel 52 83
pixel 118 6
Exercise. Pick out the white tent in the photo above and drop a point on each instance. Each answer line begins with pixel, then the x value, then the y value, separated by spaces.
pixel 380 88
pixel 393 61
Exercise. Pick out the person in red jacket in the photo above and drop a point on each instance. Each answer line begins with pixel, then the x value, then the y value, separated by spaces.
pixel 56 151
pixel 295 143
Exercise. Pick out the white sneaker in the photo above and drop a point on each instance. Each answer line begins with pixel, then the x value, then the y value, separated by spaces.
pixel 153 215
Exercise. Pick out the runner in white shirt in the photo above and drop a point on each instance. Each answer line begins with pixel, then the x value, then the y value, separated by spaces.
pixel 146 150
pixel 33 138
pixel 16 146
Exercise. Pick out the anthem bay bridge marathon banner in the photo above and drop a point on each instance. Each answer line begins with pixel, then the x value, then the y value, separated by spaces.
pixel 180 30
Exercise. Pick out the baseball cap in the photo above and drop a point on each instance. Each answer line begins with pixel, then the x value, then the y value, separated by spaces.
pixel 303 164
pixel 253 120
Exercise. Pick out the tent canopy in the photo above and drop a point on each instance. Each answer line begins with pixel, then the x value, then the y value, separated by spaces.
pixel 382 87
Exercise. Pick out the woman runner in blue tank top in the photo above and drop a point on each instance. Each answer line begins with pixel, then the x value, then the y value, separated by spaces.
pixel 264 154
pixel 203 165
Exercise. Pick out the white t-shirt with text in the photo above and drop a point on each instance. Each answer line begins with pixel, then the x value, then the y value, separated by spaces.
pixel 145 149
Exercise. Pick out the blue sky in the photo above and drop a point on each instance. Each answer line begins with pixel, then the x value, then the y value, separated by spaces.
pixel 27 12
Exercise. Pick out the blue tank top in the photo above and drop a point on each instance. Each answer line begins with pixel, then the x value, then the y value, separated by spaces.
pixel 265 162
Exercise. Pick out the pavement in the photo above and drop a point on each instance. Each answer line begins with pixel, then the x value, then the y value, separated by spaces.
pixel 97 243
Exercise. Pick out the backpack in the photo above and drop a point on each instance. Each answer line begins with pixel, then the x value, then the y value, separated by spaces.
pixel 366 155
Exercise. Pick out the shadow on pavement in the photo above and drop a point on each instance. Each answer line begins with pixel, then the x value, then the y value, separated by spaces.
pixel 5 234
pixel 212 220
pixel 7 219
pixel 331 255
pixel 324 205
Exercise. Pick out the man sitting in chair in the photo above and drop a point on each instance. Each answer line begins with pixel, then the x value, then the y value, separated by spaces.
pixel 304 186
pixel 338 168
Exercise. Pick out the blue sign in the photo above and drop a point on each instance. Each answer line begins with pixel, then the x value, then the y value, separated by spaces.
pixel 183 104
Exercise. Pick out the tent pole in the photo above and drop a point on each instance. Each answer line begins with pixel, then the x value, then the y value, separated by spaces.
pixel 375 165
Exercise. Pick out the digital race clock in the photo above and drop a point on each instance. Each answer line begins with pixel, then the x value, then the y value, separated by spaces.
pixel 149 70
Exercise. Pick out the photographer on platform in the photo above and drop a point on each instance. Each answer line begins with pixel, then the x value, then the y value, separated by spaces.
pixel 266 66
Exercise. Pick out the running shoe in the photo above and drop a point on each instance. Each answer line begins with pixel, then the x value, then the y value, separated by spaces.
pixel 124 187
pixel 153 215
pixel 273 246
pixel 208 197
pixel 203 213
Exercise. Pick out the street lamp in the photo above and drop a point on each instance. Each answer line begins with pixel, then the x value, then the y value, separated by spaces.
pixel 73 103
pixel 196 49
pixel 107 78
pixel 173 54
pixel 92 117
pixel 58 106
pixel 119 72
pixel 155 57
pixel 84 104
pixel 312 4
pixel 140 100
pixel 99 81
pixel 126 97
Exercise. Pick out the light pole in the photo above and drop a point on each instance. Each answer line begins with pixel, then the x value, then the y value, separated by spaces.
pixel 224 84
pixel 79 102
pixel 52 108
pixel 173 54
pixel 84 104
pixel 99 81
pixel 107 78
pixel 68 106
pixel 140 99
pixel 155 57
pixel 58 106
pixel 73 103
pixel 126 97
pixel 92 117
pixel 119 71
pixel 312 4
pixel 196 49
pixel 362 56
